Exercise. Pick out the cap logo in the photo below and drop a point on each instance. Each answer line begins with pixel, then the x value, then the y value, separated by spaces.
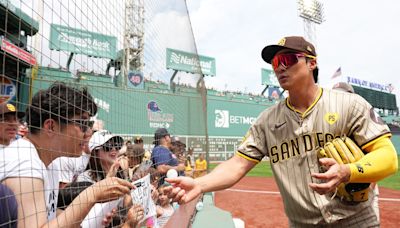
pixel 153 106
pixel 309 49
pixel 11 107
pixel 282 42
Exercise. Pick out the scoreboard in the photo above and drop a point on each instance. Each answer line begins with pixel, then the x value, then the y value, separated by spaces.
pixel 377 99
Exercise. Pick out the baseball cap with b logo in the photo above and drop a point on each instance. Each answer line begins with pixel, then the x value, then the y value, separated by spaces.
pixel 295 43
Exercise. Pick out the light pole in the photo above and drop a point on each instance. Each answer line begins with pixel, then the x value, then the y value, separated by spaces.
pixel 312 13
pixel 133 37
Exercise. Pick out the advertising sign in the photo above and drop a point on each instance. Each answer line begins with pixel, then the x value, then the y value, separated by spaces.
pixel 16 51
pixel 231 119
pixel 189 62
pixel 82 42
pixel 156 117
pixel 372 85
pixel 7 89
pixel 268 78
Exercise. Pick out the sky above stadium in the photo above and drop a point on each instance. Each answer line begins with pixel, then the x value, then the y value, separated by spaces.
pixel 360 37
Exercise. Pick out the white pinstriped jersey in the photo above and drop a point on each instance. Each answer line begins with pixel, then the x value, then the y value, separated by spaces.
pixel 290 140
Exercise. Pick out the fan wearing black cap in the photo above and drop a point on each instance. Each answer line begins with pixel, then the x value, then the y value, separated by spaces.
pixel 290 134
pixel 9 122
pixel 163 159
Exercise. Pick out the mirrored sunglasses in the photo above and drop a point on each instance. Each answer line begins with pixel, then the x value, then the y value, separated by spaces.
pixel 288 59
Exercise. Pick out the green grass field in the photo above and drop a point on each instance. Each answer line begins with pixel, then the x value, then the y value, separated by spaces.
pixel 263 169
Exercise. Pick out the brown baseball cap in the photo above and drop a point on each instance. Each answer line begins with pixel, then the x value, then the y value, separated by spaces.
pixel 295 43
pixel 10 108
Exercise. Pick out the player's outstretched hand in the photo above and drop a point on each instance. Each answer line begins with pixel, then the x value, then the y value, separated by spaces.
pixel 183 189
pixel 335 175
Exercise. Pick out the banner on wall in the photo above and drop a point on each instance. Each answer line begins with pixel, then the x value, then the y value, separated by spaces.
pixel 82 42
pixel 268 78
pixel 189 62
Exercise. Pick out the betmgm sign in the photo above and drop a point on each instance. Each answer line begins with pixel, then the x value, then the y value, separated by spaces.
pixel 224 120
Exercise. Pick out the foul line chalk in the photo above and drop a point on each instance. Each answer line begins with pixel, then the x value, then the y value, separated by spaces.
pixel 277 193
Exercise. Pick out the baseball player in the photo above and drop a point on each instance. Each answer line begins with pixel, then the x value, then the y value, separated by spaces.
pixel 291 132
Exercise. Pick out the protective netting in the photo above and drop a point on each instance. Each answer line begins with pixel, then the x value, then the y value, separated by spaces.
pixel 103 83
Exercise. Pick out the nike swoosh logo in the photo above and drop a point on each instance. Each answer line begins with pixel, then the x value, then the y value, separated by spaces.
pixel 279 125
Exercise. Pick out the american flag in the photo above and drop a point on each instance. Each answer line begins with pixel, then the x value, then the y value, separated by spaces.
pixel 390 88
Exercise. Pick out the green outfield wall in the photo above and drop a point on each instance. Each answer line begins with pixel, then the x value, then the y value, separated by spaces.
pixel 131 112
pixel 396 142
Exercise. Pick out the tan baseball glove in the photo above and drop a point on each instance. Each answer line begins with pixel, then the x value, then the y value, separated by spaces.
pixel 345 151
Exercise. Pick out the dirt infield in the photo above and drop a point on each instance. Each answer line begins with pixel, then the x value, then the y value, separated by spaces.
pixel 256 200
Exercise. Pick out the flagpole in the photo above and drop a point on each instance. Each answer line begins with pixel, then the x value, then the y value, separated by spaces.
pixel 338 73
pixel 341 75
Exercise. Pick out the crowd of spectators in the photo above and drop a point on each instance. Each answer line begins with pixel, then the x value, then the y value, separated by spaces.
pixel 59 163
pixel 181 87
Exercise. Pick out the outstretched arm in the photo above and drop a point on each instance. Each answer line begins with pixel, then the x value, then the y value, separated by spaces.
pixel 223 176
pixel 29 193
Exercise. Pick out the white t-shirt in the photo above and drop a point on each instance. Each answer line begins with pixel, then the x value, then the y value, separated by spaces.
pixel 165 216
pixel 70 167
pixel 21 159
pixel 85 177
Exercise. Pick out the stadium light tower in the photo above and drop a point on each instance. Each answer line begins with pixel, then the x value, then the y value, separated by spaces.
pixel 133 36
pixel 312 13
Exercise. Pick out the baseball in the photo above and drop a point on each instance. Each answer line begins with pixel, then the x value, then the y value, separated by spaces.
pixel 199 206
pixel 172 173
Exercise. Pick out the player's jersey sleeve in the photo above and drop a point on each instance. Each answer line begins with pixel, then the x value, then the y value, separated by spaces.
pixel 367 125
pixel 253 146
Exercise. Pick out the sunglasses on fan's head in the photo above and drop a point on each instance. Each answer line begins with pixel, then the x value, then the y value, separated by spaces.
pixel 288 59
pixel 110 145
